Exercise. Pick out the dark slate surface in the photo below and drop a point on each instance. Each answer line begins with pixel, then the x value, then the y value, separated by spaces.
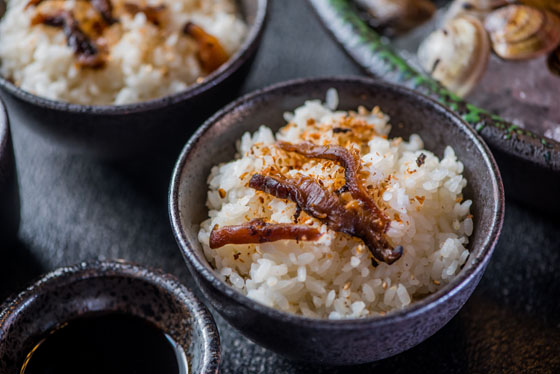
pixel 76 209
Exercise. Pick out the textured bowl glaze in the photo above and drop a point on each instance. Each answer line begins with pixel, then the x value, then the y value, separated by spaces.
pixel 106 287
pixel 9 193
pixel 347 341
pixel 124 131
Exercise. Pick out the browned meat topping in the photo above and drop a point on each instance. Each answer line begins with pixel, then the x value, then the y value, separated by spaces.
pixel 421 159
pixel 211 54
pixel 152 13
pixel 259 231
pixel 351 164
pixel 87 53
pixel 335 211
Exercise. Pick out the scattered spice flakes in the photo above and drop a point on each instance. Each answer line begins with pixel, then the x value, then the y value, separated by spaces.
pixel 421 159
pixel 421 199
pixel 398 218
pixel 436 282
pixel 222 193
pixel 347 286
pixel 384 285
pixel 470 216
pixel 236 255
pixel 459 199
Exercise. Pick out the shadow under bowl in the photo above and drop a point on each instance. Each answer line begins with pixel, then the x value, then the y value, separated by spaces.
pixel 95 288
pixel 345 341
pixel 124 131
pixel 9 191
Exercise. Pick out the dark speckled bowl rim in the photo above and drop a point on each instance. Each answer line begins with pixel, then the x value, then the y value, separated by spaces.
pixel 416 308
pixel 215 78
pixel 99 269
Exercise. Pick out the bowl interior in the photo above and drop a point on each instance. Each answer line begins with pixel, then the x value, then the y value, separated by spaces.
pixel 253 12
pixel 102 288
pixel 410 113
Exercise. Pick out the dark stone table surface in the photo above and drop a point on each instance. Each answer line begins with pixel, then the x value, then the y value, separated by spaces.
pixel 74 209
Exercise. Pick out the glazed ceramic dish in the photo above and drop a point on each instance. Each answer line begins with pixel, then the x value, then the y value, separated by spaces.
pixel 530 163
pixel 126 130
pixel 350 341
pixel 108 287
pixel 9 195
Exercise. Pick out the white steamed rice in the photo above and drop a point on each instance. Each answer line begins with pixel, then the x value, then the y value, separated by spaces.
pixel 334 277
pixel 145 62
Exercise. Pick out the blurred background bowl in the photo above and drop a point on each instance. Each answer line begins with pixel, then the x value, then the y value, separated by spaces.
pixel 117 132
pixel 345 341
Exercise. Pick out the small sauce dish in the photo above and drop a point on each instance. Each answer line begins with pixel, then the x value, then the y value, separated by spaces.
pixel 75 298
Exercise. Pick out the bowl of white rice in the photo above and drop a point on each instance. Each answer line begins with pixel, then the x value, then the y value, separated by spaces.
pixel 118 77
pixel 339 220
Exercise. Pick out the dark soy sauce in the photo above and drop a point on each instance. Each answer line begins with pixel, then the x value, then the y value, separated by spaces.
pixel 106 344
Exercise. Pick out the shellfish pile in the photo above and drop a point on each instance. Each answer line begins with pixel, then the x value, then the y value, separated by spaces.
pixel 458 52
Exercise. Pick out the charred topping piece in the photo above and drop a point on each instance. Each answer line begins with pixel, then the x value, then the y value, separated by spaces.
pixel 211 54
pixel 85 50
pixel 151 12
pixel 352 219
pixel 258 231
pixel 421 159
pixel 351 164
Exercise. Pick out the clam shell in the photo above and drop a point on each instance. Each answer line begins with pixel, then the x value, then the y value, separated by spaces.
pixel 521 32
pixel 457 54
pixel 395 17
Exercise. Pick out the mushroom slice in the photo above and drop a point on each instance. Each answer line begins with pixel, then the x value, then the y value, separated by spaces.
pixel 338 214
pixel 395 17
pixel 520 32
pixel 87 53
pixel 211 54
pixel 259 231
pixel 457 54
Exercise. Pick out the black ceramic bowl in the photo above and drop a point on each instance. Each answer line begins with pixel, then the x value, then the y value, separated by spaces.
pixel 127 130
pixel 349 341
pixel 9 195
pixel 108 287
